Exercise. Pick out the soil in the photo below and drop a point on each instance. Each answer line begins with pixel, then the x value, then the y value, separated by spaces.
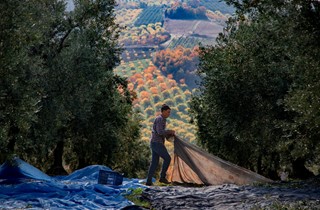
pixel 279 195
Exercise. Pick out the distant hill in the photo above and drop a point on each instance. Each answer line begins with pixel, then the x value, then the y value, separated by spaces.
pixel 148 32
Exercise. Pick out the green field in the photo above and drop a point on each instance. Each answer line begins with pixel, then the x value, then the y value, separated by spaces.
pixel 189 42
pixel 131 54
pixel 215 5
pixel 151 14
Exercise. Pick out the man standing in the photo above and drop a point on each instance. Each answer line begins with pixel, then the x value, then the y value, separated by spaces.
pixel 158 149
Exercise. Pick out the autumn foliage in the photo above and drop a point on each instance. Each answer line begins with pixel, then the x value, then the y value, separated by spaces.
pixel 179 63
pixel 152 88
pixel 151 34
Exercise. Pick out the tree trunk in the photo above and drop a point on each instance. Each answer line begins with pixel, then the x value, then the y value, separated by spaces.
pixel 259 163
pixel 82 163
pixel 57 168
pixel 300 171
pixel 13 132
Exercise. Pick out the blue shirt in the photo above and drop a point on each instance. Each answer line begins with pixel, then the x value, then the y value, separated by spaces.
pixel 159 131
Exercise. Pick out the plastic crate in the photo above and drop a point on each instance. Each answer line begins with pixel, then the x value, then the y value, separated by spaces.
pixel 110 178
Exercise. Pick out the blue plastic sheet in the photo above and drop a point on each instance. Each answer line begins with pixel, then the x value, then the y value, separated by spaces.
pixel 24 186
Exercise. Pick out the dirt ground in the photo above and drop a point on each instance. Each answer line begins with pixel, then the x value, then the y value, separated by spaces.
pixel 281 195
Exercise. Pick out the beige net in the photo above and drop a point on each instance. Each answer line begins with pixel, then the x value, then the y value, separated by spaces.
pixel 192 165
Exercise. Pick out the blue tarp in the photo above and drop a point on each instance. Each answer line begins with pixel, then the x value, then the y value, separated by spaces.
pixel 24 186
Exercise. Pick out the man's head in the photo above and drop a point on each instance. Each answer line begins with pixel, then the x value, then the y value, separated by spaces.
pixel 165 111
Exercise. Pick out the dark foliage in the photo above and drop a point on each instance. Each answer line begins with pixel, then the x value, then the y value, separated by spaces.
pixel 257 103
pixel 61 104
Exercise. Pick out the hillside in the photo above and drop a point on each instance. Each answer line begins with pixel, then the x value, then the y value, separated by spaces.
pixel 148 31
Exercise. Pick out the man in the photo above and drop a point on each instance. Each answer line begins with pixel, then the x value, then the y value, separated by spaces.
pixel 158 149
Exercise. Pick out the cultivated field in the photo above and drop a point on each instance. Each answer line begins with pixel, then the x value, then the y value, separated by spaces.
pixel 201 28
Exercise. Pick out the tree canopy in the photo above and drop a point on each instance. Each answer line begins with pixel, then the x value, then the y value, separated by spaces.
pixel 258 101
pixel 61 108
pixel 180 62
pixel 184 11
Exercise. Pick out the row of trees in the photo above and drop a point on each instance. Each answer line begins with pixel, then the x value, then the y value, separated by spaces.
pixel 150 14
pixel 145 35
pixel 59 99
pixel 184 11
pixel 180 62
pixel 153 90
pixel 259 99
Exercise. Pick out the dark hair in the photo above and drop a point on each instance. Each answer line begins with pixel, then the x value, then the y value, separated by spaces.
pixel 164 107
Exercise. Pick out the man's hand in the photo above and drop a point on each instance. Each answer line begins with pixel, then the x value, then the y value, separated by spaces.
pixel 171 132
pixel 170 135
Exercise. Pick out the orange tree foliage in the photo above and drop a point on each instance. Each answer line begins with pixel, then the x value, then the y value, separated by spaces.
pixel 160 79
pixel 150 83
pixel 149 76
pixel 130 86
pixel 154 90
pixel 172 83
pixel 140 81
pixel 151 34
pixel 179 63
pixel 163 86
pixel 144 95
pixel 150 69
pixel 152 93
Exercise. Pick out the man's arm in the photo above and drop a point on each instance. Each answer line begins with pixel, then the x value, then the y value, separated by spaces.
pixel 160 128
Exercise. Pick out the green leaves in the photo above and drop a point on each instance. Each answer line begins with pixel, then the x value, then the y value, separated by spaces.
pixel 59 99
pixel 261 66
pixel 20 73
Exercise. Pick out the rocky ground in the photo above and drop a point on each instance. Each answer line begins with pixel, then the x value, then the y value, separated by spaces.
pixel 279 195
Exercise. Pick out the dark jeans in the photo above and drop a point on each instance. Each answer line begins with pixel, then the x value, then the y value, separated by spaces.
pixel 158 150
